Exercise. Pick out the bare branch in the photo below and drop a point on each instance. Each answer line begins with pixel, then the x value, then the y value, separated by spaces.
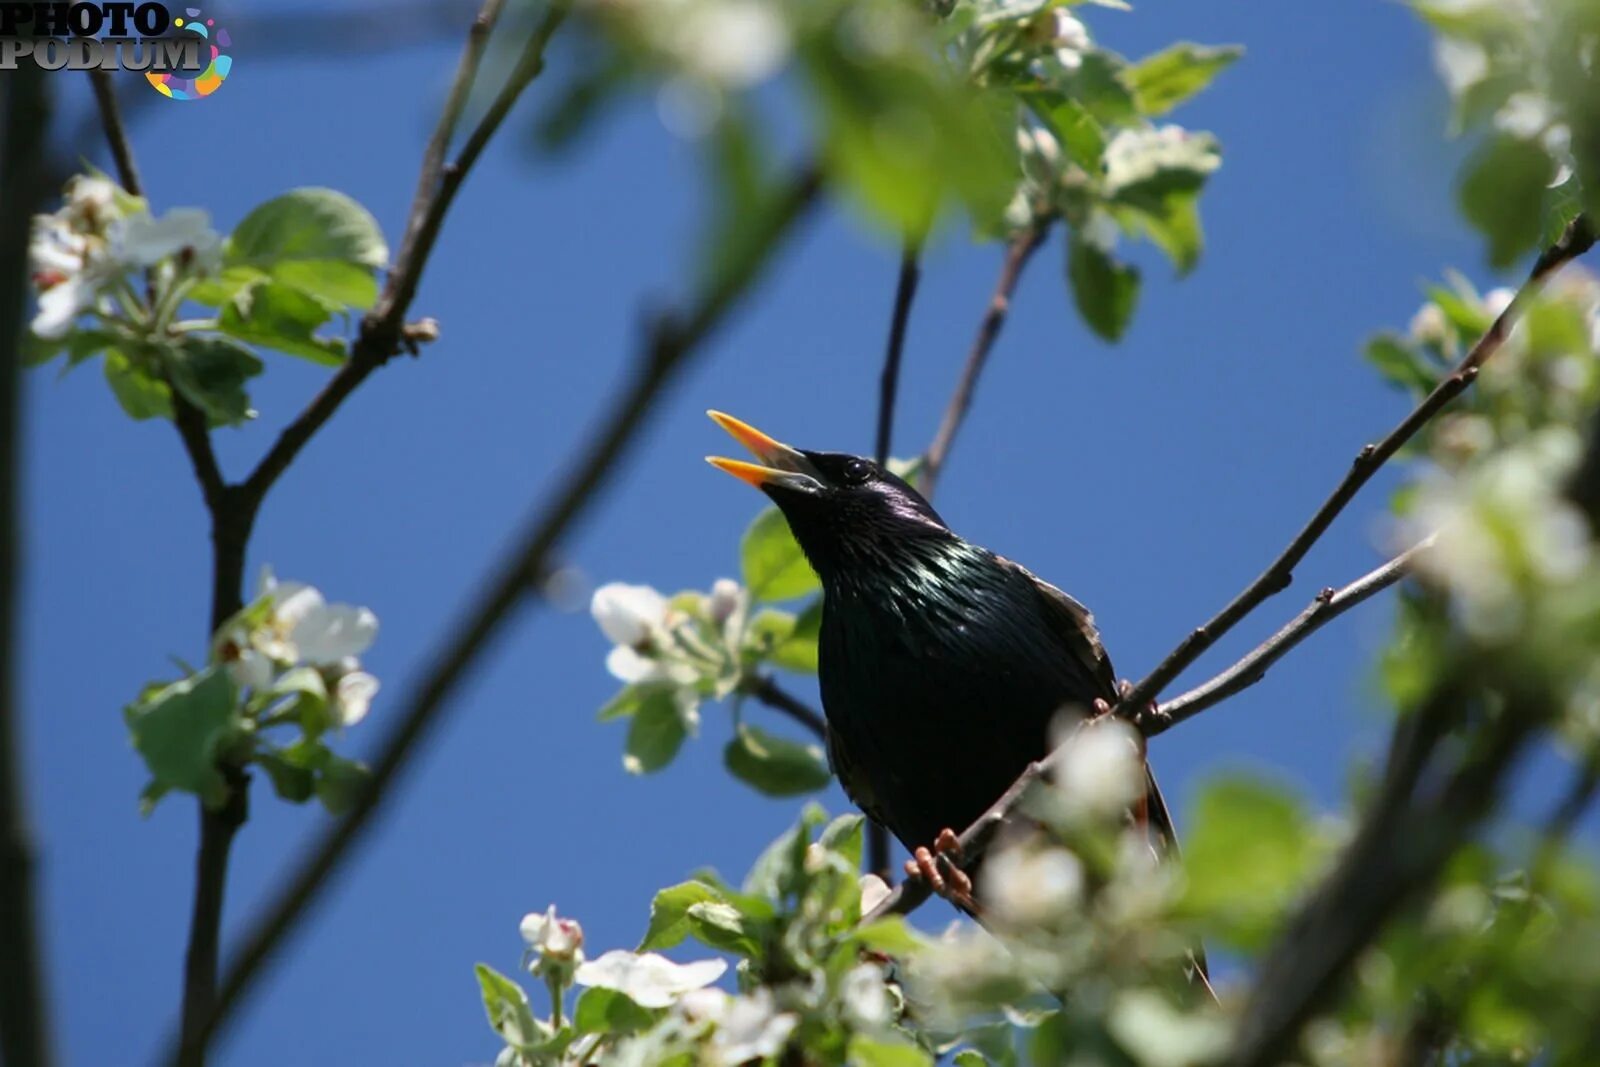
pixel 382 331
pixel 905 291
pixel 1577 239
pixel 671 345
pixel 1018 252
pixel 769 693
pixel 1328 605
pixel 24 1008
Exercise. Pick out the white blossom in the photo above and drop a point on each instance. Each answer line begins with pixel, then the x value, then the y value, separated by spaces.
pixel 735 43
pixel 1071 39
pixel 552 936
pixel 1429 325
pixel 1462 64
pixel 143 241
pixel 1102 771
pixel 650 980
pixel 628 614
pixel 726 598
pixel 865 997
pixel 352 697
pixel 1028 886
pixel 330 633
pixel 704 1005
pixel 251 669
pixel 752 1029
pixel 873 892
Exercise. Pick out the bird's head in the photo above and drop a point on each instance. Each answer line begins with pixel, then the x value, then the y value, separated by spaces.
pixel 844 510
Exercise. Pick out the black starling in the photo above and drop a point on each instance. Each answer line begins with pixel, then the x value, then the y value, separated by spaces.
pixel 943 665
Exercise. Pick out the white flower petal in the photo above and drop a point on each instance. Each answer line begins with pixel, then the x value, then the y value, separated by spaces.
pixel 649 980
pixel 627 613
pixel 61 304
pixel 1102 771
pixel 331 632
pixel 352 697
pixel 252 669
pixel 142 241
pixel 751 1030
pixel 1029 886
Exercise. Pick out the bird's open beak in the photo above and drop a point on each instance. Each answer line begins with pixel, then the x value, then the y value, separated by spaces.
pixel 780 466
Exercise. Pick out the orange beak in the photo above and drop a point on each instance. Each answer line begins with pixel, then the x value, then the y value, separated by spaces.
pixel 780 465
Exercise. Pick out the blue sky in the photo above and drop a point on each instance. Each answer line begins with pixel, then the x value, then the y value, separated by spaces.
pixel 1151 480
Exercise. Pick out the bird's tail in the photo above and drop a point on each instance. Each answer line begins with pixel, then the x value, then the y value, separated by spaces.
pixel 1164 839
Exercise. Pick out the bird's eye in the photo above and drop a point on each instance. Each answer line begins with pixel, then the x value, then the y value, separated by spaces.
pixel 857 471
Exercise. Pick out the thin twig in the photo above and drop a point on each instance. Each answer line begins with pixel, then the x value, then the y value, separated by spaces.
pixel 1328 605
pixel 230 531
pixel 382 332
pixel 1577 239
pixel 764 689
pixel 905 291
pixel 671 345
pixel 1018 252
pixel 24 1001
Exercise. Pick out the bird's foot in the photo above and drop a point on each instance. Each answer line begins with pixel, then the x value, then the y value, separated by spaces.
pixel 938 867
pixel 1124 688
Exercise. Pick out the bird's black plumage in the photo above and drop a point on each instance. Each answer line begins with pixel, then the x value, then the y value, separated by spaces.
pixel 943 666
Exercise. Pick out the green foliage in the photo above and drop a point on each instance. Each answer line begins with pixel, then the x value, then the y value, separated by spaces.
pixel 1163 81
pixel 774 765
pixel 182 728
pixel 1106 291
pixel 1523 86
pixel 774 566
pixel 294 264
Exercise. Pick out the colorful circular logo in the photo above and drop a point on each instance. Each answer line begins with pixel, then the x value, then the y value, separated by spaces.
pixel 171 84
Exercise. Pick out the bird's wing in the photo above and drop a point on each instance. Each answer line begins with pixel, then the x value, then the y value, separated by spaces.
pixel 1074 627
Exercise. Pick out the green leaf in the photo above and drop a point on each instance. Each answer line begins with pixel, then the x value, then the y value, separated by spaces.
pixel 775 766
pixel 656 732
pixel 277 316
pixel 1100 86
pixel 1163 81
pixel 969 1057
pixel 291 781
pixel 141 395
pixel 725 927
pixel 892 936
pixel 1105 289
pixel 782 864
pixel 179 730
pixel 1250 850
pixel 669 923
pixel 1399 365
pixel 1171 222
pixel 507 1007
pixel 223 286
pixel 1078 132
pixel 774 567
pixel 844 836
pixel 341 782
pixel 310 693
pixel 798 652
pixel 869 1052
pixel 606 1011
pixel 1502 193
pixel 211 373
pixel 318 241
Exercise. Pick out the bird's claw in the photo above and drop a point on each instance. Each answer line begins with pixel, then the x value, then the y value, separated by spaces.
pixel 938 867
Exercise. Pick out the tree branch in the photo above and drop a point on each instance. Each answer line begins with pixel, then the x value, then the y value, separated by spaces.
pixel 905 291
pixel 24 997
pixel 1328 605
pixel 764 689
pixel 382 332
pixel 671 344
pixel 1018 252
pixel 1577 239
